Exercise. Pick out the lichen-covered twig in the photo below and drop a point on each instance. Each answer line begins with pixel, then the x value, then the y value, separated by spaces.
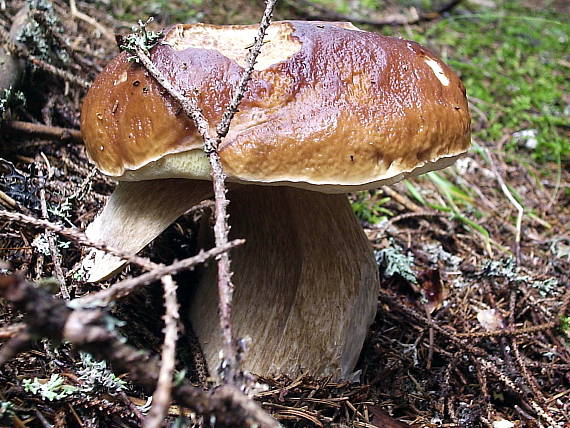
pixel 211 143
pixel 54 251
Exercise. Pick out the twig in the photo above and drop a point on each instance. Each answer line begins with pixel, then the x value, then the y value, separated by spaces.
pixel 53 132
pixel 401 199
pixel 211 143
pixel 11 330
pixel 88 330
pixel 53 250
pixel 14 346
pixel 513 201
pixel 79 237
pixel 7 200
pixel 125 287
pixel 382 230
pixel 162 395
pixel 491 368
pixel 84 17
pixel 511 332
pixel 397 19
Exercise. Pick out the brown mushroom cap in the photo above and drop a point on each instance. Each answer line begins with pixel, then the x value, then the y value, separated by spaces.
pixel 328 107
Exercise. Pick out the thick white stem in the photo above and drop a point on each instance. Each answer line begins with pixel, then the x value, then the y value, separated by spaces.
pixel 306 284
pixel 136 213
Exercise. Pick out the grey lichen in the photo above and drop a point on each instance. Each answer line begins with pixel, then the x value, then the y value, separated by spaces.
pixel 54 389
pixel 10 100
pixel 39 33
pixel 508 269
pixel 394 261
pixel 96 376
pixel 7 413
pixel 139 39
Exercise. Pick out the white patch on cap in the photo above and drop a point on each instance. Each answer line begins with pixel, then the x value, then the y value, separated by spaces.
pixel 234 41
pixel 438 71
pixel 122 78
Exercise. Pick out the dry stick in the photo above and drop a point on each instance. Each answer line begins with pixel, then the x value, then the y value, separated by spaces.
pixel 91 21
pixel 513 201
pixel 211 143
pixel 11 330
pixel 7 200
pixel 54 252
pixel 511 332
pixel 78 237
pixel 163 392
pixel 125 287
pixel 491 368
pixel 401 199
pixel 52 132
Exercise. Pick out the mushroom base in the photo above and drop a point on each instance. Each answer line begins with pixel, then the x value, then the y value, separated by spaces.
pixel 306 284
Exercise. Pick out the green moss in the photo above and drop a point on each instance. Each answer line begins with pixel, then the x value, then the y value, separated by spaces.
pixel 512 62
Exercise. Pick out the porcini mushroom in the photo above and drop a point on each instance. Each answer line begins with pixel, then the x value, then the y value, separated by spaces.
pixel 329 109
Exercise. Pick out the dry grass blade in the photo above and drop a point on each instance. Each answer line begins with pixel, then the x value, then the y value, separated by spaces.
pixel 512 200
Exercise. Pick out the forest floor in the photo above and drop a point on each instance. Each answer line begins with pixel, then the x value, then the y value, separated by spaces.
pixel 472 328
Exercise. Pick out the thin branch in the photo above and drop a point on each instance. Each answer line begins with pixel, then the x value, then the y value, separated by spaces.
pixel 91 21
pixel 52 132
pixel 224 125
pixel 511 332
pixel 491 368
pixel 10 202
pixel 163 393
pixel 79 237
pixel 127 286
pixel 14 346
pixel 53 250
pixel 22 51
pixel 11 330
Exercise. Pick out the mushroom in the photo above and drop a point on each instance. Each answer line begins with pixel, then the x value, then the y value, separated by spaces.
pixel 329 109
